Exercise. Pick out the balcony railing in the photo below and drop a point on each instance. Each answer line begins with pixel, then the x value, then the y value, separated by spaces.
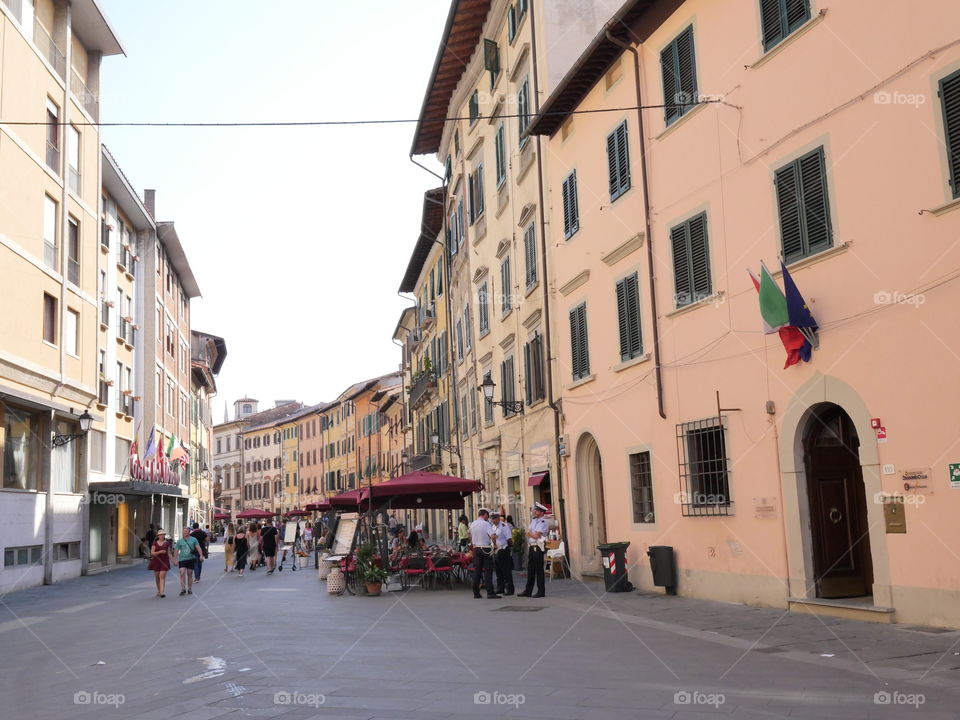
pixel 126 405
pixel 104 312
pixel 73 180
pixel 103 392
pixel 48 47
pixel 50 255
pixel 428 314
pixel 87 99
pixel 425 461
pixel 125 261
pixel 73 271
pixel 420 386
pixel 53 157
pixel 125 331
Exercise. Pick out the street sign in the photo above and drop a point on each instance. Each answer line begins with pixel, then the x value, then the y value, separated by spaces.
pixel 955 476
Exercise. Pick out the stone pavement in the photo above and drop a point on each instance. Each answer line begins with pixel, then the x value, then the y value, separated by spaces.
pixel 279 647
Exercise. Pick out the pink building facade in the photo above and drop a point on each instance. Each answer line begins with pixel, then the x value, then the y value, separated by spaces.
pixel 826 135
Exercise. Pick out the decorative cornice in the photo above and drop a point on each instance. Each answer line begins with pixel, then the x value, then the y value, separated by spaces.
pixel 576 282
pixel 528 211
pixel 481 273
pixel 532 319
pixel 624 249
pixel 503 247
pixel 508 342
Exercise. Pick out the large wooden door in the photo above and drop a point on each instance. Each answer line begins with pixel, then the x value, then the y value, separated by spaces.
pixel 590 500
pixel 838 509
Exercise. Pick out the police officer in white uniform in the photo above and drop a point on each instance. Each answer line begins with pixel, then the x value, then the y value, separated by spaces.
pixel 502 562
pixel 536 537
pixel 482 535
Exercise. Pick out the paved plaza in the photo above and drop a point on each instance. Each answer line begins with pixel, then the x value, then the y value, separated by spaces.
pixel 280 647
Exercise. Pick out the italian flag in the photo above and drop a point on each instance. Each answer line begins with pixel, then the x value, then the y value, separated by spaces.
pixel 776 317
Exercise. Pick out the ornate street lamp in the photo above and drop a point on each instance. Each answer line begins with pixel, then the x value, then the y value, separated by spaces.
pixel 86 419
pixel 487 388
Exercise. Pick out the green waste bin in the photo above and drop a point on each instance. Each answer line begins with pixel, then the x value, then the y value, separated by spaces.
pixel 614 559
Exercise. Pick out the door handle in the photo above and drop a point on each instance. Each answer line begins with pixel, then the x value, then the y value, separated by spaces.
pixel 835 515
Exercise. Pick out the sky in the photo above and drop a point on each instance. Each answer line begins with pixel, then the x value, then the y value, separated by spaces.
pixel 298 237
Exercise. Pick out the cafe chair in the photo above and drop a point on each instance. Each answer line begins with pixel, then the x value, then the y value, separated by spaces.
pixel 556 557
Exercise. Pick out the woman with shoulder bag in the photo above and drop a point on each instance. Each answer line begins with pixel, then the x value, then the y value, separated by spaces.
pixel 188 550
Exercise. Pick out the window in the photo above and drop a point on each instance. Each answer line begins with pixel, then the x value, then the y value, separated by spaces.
pixel 500 150
pixel 475 187
pixel 448 169
pixel 219 446
pixel 678 64
pixel 459 340
pixel 530 255
pixel 508 385
pixel 456 142
pixel 461 225
pixel 473 412
pixel 580 354
pixel 53 136
pixel 50 319
pixel 159 389
pixel 704 476
pixel 73 159
pixel 484 311
pixel 474 107
pixel 950 100
pixel 780 18
pixel 50 254
pixel 73 251
pixel 66 551
pixel 71 336
pixel 121 456
pixel 628 316
pixel 804 206
pixel 467 327
pixel 533 370
pixel 14 556
pixel 20 459
pixel 98 451
pixel 440 277
pixel 641 488
pixel 506 286
pixel 618 161
pixel 521 9
pixel 691 261
pixel 523 109
pixel 571 207
pixel 491 60
pixel 511 23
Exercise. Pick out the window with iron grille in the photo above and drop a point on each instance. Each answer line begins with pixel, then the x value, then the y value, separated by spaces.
pixel 704 468
pixel 950 100
pixel 641 487
pixel 804 206
pixel 679 68
pixel 780 18
pixel 691 261
pixel 571 210
pixel 530 255
pixel 618 161
pixel 579 351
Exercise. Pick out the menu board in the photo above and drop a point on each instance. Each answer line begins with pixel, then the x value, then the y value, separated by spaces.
pixel 346 529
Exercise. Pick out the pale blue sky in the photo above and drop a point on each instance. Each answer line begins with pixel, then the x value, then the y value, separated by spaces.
pixel 298 237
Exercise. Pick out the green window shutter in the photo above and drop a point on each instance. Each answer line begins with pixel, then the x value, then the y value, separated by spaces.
pixel 816 210
pixel 571 212
pixel 530 254
pixel 527 374
pixel 506 284
pixel 503 385
pixel 470 197
pixel 628 316
pixel 511 23
pixel 500 153
pixel 950 100
pixel 700 257
pixel 797 12
pixel 612 164
pixel 536 352
pixel 788 202
pixel 682 281
pixel 478 193
pixel 618 161
pixel 578 336
pixel 771 20
pixel 679 72
pixel 622 320
pixel 671 84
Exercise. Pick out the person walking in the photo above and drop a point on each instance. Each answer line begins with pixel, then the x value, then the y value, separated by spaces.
pixel 463 533
pixel 253 546
pixel 188 550
pixel 201 538
pixel 482 535
pixel 502 563
pixel 228 548
pixel 160 557
pixel 536 536
pixel 268 540
pixel 240 549
pixel 147 546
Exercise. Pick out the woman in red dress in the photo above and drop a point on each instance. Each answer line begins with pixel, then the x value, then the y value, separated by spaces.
pixel 160 560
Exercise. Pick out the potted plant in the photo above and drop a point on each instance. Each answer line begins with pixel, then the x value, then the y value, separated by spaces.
pixel 374 577
pixel 517 547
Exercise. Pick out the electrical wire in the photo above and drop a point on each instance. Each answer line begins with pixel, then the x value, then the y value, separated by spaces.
pixel 385 121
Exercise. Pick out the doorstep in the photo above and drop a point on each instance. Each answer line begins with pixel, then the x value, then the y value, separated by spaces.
pixel 848 608
pixel 596 576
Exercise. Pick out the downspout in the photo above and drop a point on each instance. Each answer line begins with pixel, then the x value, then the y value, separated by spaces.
pixel 646 218
pixel 548 364
pixel 64 190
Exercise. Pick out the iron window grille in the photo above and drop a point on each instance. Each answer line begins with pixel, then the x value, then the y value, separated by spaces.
pixel 704 468
pixel 641 488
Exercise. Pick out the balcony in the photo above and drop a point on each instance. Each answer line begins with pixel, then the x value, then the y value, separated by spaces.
pixel 425 461
pixel 50 255
pixel 427 316
pixel 73 271
pixel 49 49
pixel 53 157
pixel 125 333
pixel 127 404
pixel 421 386
pixel 103 393
pixel 87 99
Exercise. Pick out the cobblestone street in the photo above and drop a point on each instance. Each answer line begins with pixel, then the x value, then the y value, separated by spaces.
pixel 278 646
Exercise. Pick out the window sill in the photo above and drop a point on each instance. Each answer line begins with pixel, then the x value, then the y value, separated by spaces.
pixel 484 333
pixel 677 123
pixel 714 299
pixel 789 40
pixel 50 344
pixel 631 362
pixel 526 160
pixel 506 314
pixel 581 381
pixel 531 288
pixel 535 403
pixel 815 258
pixel 943 209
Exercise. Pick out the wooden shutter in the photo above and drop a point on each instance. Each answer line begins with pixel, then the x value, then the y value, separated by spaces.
pixel 536 360
pixel 816 211
pixel 797 12
pixel 679 71
pixel 682 282
pixel 612 164
pixel 527 373
pixel 700 257
pixel 578 336
pixel 671 83
pixel 530 254
pixel 771 21
pixel 788 202
pixel 503 385
pixel 687 68
pixel 491 57
pixel 505 282
pixel 950 100
pixel 628 315
pixel 571 213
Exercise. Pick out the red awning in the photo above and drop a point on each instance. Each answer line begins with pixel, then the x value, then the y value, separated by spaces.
pixel 318 506
pixel 349 500
pixel 221 516
pixel 537 478
pixel 424 490
pixel 254 514
pixel 296 513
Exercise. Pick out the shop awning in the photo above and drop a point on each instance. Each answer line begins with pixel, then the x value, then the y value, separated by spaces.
pixel 135 487
pixel 423 490
pixel 318 506
pixel 537 478
pixel 346 500
pixel 254 514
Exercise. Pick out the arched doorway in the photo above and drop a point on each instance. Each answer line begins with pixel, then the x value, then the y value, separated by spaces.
pixel 592 520
pixel 839 528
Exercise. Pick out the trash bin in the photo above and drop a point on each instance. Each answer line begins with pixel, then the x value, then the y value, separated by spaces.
pixel 663 567
pixel 614 557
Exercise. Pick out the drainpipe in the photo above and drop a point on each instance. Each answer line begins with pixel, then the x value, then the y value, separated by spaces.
pixel 646 218
pixel 548 364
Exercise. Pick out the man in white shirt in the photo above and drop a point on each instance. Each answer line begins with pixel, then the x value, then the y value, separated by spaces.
pixel 502 563
pixel 536 536
pixel 482 535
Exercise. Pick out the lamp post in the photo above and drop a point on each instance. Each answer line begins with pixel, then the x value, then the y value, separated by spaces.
pixel 487 388
pixel 435 441
pixel 86 419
